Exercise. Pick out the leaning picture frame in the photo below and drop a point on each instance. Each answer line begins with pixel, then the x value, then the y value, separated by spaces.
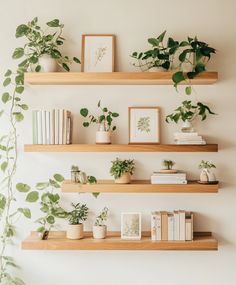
pixel 98 53
pixel 131 225
pixel 144 125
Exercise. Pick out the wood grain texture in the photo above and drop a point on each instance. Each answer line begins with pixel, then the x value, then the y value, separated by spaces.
pixel 113 78
pixel 137 186
pixel 58 241
pixel 121 148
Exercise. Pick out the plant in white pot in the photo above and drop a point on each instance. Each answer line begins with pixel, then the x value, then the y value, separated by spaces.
pixel 104 122
pixel 76 217
pixel 122 170
pixel 206 175
pixel 99 229
pixel 42 52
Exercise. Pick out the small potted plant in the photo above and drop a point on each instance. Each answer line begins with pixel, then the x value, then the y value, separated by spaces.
pixel 99 229
pixel 187 113
pixel 168 166
pixel 207 176
pixel 76 217
pixel 122 170
pixel 42 52
pixel 104 122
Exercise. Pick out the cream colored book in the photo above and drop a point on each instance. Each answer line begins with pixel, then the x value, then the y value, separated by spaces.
pixel 176 225
pixel 181 225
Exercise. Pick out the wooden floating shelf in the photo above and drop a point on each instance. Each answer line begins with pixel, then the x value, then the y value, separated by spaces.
pixel 138 186
pixel 58 241
pixel 113 78
pixel 121 148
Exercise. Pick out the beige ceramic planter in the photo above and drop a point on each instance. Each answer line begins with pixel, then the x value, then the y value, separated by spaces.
pixel 75 231
pixel 99 232
pixel 103 137
pixel 124 179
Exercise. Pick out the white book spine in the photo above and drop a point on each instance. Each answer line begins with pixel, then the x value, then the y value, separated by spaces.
pixel 60 135
pixel 56 126
pixel 43 126
pixel 153 227
pixel 40 131
pixel 64 126
pixel 170 227
pixel 181 225
pixel 52 127
pixel 158 222
pixel 184 182
pixel 176 225
pixel 47 127
pixel 188 230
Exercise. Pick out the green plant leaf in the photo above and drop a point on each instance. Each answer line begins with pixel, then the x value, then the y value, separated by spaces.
pixel 42 185
pixel 115 115
pixel 26 212
pixel 188 90
pixel 24 107
pixel 95 194
pixel 32 197
pixel 54 23
pixel 21 31
pixel 2 202
pixel 76 60
pixel 92 180
pixel 18 281
pixel 6 97
pixel 153 41
pixel 7 81
pixel 38 68
pixel 50 220
pixel 54 183
pixel 20 89
pixel 4 166
pixel 41 229
pixel 84 112
pixel 66 67
pixel 178 76
pixel 19 116
pixel 8 73
pixel 86 124
pixel 21 187
pixel 58 177
pixel 18 53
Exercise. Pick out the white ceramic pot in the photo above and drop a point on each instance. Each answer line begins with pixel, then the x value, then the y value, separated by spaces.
pixel 187 127
pixel 75 231
pixel 99 232
pixel 47 63
pixel 124 179
pixel 211 176
pixel 204 176
pixel 103 137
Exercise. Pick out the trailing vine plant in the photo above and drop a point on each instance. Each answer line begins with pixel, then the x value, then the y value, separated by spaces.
pixel 39 42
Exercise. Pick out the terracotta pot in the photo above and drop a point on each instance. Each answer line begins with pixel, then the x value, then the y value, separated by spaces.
pixel 99 232
pixel 124 179
pixel 48 64
pixel 75 231
pixel 103 137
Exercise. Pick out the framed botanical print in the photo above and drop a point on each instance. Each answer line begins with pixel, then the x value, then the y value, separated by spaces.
pixel 98 53
pixel 131 225
pixel 144 125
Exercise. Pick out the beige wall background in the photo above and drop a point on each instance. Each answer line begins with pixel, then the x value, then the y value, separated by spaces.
pixel 133 22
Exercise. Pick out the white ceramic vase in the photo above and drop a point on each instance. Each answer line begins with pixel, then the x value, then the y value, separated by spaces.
pixel 99 232
pixel 211 176
pixel 48 64
pixel 75 231
pixel 103 137
pixel 187 127
pixel 124 179
pixel 204 176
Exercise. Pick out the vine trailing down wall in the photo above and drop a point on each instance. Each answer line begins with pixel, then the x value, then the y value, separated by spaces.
pixel 39 42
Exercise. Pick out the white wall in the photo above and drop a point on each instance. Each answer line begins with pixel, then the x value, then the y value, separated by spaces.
pixel 133 22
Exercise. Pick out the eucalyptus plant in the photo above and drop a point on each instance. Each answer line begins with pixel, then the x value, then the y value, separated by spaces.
pixel 188 112
pixel 102 217
pixel 119 167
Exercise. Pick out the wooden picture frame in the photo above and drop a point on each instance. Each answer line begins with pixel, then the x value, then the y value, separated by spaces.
pixel 145 130
pixel 102 42
pixel 131 226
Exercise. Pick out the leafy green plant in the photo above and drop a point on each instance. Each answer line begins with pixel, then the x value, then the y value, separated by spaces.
pixel 120 167
pixel 78 215
pixel 206 165
pixel 105 119
pixel 41 42
pixel 168 164
pixel 102 217
pixel 188 112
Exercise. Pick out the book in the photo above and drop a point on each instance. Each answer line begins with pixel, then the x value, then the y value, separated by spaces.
pixel 177 181
pixel 178 174
pixel 182 134
pixel 190 142
pixel 153 226
pixel 56 126
pixel 43 116
pixel 69 130
pixel 60 126
pixel 35 127
pixel 52 126
pixel 40 131
pixel 189 226
pixel 181 225
pixel 164 225
pixel 47 123
pixel 158 226
pixel 170 226
pixel 176 225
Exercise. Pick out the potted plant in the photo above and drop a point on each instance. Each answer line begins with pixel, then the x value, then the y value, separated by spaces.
pixel 104 122
pixel 122 170
pixel 81 177
pixel 42 52
pixel 207 176
pixel 99 229
pixel 168 166
pixel 76 217
pixel 187 112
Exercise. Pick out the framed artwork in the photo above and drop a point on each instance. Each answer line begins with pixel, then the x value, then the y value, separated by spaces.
pixel 98 53
pixel 144 125
pixel 131 225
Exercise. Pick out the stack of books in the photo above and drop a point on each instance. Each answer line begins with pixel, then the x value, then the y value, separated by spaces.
pixel 169 178
pixel 177 225
pixel 52 127
pixel 188 138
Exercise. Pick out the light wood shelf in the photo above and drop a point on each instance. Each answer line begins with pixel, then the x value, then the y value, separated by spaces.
pixel 58 241
pixel 113 78
pixel 138 186
pixel 121 148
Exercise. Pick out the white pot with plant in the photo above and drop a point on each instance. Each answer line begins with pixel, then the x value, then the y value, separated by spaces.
pixel 206 175
pixel 104 122
pixel 99 229
pixel 187 113
pixel 122 170
pixel 76 217
pixel 42 51
pixel 167 166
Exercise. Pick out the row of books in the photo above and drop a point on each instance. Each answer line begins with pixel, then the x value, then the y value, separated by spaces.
pixel 177 225
pixel 188 138
pixel 169 178
pixel 52 127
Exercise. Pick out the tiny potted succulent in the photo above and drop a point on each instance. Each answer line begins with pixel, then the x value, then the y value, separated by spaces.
pixel 187 113
pixel 76 217
pixel 122 170
pixel 168 166
pixel 207 176
pixel 78 176
pixel 99 229
pixel 42 52
pixel 104 122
